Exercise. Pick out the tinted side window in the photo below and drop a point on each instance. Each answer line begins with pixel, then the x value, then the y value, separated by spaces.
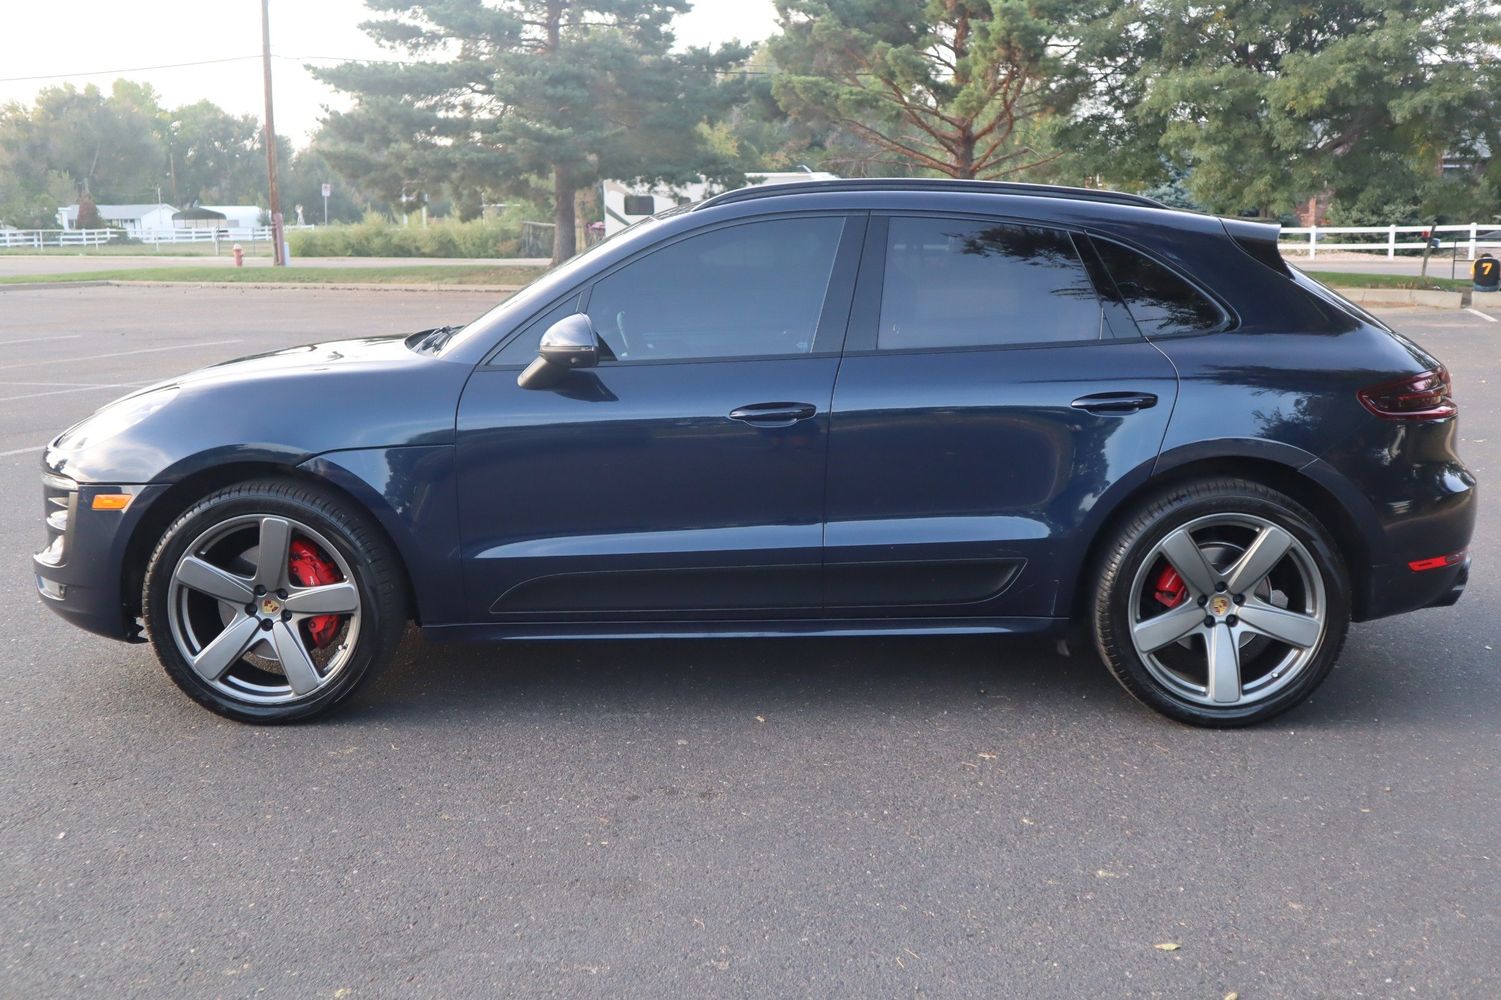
pixel 743 291
pixel 1160 301
pixel 962 283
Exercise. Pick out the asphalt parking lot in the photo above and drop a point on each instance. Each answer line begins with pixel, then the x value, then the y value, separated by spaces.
pixel 930 817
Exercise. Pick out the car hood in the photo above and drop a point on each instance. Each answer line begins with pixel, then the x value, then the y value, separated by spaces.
pixel 307 359
pixel 281 407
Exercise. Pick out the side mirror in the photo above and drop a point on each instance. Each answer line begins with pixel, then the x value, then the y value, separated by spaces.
pixel 568 344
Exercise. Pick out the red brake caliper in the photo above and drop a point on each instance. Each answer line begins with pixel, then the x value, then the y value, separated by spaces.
pixel 1171 590
pixel 309 569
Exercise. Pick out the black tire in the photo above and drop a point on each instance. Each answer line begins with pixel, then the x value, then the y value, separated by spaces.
pixel 375 571
pixel 1135 540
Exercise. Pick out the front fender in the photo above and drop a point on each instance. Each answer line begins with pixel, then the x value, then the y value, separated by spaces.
pixel 411 493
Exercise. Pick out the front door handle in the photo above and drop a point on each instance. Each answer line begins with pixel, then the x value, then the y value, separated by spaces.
pixel 1115 402
pixel 773 414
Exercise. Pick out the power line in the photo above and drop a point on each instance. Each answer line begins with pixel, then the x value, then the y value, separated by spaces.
pixel 247 58
pixel 132 69
pixel 187 65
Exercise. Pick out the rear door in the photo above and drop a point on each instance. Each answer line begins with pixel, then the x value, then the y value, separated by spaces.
pixel 988 398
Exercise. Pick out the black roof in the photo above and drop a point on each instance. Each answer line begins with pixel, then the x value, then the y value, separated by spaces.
pixel 928 184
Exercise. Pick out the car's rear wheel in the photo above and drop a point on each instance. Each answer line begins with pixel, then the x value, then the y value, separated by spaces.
pixel 1221 603
pixel 271 601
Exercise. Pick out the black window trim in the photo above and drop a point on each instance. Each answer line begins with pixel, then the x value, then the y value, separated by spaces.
pixel 1229 319
pixel 865 316
pixel 833 322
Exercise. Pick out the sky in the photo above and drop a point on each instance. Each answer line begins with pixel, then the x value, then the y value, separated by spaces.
pixel 98 39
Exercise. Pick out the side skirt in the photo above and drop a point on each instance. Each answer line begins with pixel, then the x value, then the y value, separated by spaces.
pixel 492 632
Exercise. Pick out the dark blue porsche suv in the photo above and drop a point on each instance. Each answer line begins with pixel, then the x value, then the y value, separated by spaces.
pixel 824 408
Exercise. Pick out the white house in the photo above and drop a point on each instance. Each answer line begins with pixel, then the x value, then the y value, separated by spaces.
pixel 626 204
pixel 131 218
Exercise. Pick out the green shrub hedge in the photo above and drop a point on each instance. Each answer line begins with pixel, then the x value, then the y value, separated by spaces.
pixel 377 236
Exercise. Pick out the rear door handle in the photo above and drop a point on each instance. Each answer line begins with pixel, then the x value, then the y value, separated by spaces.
pixel 773 414
pixel 1115 402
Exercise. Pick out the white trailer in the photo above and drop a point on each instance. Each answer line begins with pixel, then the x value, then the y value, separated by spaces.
pixel 626 204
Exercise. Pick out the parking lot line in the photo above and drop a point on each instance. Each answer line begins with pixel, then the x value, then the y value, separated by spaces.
pixel 38 340
pixel 59 392
pixel 119 354
pixel 61 385
pixel 21 451
pixel 1477 312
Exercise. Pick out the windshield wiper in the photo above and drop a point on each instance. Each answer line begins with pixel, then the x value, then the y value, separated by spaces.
pixel 432 341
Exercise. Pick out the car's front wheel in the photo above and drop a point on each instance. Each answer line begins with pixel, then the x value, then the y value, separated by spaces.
pixel 1221 603
pixel 271 601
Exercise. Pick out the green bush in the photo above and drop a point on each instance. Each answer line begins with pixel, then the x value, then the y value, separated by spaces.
pixel 377 236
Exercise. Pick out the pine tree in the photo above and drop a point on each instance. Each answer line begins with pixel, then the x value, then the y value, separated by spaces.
pixel 963 88
pixel 519 95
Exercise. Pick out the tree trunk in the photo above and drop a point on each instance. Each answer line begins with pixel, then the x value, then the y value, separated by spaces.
pixel 565 242
pixel 964 157
pixel 564 212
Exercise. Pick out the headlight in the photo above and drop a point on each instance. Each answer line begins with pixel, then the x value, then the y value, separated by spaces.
pixel 115 418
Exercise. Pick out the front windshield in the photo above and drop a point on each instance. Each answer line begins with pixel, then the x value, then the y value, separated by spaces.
pixel 556 276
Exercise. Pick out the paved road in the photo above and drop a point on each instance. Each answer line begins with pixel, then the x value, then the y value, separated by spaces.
pixel 17 264
pixel 918 817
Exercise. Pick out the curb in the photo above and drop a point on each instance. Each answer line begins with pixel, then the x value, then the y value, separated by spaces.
pixel 32 286
pixel 1406 297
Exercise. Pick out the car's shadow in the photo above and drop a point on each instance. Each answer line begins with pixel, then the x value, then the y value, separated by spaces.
pixel 711 676
pixel 827 677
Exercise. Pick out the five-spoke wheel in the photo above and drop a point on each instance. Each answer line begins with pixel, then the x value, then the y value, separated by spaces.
pixel 1221 603
pixel 269 601
pixel 249 633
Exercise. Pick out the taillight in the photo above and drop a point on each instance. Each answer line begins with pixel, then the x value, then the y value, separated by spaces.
pixel 1413 397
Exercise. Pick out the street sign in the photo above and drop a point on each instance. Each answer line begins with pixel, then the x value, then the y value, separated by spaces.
pixel 328 189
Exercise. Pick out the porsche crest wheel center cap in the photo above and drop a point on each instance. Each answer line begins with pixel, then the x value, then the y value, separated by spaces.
pixel 1219 605
pixel 270 606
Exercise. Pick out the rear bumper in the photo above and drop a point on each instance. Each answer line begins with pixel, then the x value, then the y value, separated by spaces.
pixel 1416 504
pixel 1395 590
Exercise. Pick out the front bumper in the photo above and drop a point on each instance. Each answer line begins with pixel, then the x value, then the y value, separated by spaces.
pixel 80 572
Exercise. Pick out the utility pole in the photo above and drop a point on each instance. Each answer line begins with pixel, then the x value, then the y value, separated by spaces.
pixel 278 248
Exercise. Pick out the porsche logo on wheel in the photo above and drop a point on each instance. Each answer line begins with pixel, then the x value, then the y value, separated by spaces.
pixel 269 606
pixel 1219 604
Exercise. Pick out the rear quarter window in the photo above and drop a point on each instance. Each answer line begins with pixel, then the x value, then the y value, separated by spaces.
pixel 970 283
pixel 1160 301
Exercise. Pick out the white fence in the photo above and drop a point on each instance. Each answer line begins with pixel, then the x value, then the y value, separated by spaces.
pixel 1311 239
pixel 39 238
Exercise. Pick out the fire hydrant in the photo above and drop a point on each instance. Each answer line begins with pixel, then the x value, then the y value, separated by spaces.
pixel 239 253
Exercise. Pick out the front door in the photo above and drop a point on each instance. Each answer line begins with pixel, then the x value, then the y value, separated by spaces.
pixel 988 399
pixel 684 476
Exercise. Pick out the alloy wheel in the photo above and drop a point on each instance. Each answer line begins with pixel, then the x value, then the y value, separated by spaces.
pixel 1241 616
pixel 243 624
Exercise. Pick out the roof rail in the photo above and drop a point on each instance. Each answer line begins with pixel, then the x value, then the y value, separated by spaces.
pixel 928 184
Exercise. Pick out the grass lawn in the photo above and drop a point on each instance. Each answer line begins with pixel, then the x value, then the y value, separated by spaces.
pixel 1344 279
pixel 417 274
pixel 259 248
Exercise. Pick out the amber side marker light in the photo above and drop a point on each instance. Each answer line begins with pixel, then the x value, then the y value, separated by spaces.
pixel 1437 562
pixel 111 501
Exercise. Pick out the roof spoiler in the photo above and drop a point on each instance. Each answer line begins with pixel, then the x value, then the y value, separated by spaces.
pixel 1259 240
